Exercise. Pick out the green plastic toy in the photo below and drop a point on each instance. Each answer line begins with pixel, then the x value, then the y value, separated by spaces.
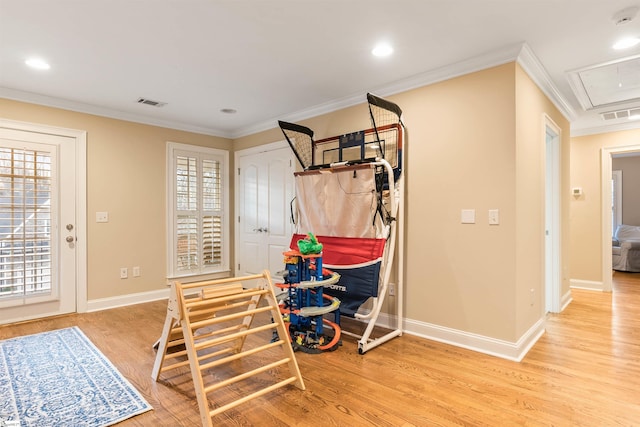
pixel 309 245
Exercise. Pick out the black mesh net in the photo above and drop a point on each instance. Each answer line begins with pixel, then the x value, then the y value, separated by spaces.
pixel 300 139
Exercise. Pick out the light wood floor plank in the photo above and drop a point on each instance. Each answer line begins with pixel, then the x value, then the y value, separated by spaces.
pixel 585 370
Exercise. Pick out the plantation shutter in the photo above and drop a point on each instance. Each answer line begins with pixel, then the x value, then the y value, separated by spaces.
pixel 212 218
pixel 199 213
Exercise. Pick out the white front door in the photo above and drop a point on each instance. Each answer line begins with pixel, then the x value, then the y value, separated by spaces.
pixel 264 194
pixel 37 225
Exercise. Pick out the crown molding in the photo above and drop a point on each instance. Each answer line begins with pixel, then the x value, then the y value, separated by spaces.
pixel 532 66
pixel 520 53
pixel 79 107
pixel 614 127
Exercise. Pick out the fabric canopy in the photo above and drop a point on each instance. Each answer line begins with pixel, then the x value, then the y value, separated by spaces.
pixel 358 262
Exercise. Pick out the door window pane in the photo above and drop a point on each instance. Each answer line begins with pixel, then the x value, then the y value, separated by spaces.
pixel 25 223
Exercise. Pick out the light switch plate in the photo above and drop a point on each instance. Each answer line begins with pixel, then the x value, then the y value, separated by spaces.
pixel 494 216
pixel 468 216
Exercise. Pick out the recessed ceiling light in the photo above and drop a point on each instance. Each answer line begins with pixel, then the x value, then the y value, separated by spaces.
pixel 228 110
pixel 626 43
pixel 37 63
pixel 382 49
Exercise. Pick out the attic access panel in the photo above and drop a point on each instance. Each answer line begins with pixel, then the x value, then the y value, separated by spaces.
pixel 607 84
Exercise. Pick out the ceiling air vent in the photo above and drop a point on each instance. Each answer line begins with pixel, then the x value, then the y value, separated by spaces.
pixel 151 102
pixel 631 114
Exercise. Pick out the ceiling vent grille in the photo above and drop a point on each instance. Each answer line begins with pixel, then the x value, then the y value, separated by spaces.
pixel 631 114
pixel 151 102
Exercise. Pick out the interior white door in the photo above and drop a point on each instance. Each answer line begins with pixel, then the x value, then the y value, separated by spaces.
pixel 37 225
pixel 264 227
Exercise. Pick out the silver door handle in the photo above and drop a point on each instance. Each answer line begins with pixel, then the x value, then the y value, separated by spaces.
pixel 260 230
pixel 70 239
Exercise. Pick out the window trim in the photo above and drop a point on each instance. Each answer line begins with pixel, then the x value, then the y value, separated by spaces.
pixel 223 156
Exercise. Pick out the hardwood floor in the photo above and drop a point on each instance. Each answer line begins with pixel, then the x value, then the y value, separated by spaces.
pixel 584 371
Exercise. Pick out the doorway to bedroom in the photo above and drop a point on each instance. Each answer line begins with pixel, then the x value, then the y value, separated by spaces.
pixel 613 211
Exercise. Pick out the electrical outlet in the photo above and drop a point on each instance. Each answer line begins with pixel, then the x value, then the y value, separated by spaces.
pixel 136 271
pixel 124 272
pixel 392 289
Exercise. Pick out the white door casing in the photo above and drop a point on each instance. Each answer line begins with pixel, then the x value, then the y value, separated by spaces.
pixel 616 199
pixel 606 213
pixel 553 276
pixel 68 219
pixel 265 190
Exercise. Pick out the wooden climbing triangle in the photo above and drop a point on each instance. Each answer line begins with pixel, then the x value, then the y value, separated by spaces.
pixel 207 327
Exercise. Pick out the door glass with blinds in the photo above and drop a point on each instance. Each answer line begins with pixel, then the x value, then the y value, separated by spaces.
pixel 198 238
pixel 26 252
pixel 39 169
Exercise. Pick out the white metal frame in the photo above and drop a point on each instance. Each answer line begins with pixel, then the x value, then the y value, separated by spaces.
pixel 365 342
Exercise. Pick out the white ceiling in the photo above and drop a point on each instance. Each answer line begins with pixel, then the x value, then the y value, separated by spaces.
pixel 274 59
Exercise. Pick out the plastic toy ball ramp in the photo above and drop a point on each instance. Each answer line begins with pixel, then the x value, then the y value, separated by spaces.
pixel 305 303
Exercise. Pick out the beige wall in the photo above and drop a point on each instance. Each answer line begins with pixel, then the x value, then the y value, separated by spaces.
pixel 125 177
pixel 630 167
pixel 475 142
pixel 586 211
pixel 461 156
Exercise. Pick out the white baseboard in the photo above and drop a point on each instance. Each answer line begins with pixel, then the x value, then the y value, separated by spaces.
pixel 494 347
pixel 586 284
pixel 565 300
pixel 491 346
pixel 124 300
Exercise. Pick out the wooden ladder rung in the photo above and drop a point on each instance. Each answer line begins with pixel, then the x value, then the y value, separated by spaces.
pixel 237 356
pixel 176 365
pixel 232 316
pixel 219 281
pixel 221 290
pixel 246 375
pixel 191 303
pixel 200 358
pixel 252 396
pixel 211 311
pixel 198 338
pixel 231 337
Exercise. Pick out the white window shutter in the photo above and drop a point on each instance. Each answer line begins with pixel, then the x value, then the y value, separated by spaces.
pixel 198 213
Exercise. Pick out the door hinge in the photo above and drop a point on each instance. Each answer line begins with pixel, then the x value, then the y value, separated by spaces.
pixel 238 218
pixel 238 266
pixel 238 171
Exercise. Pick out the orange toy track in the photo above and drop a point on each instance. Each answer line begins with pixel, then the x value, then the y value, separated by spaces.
pixel 333 325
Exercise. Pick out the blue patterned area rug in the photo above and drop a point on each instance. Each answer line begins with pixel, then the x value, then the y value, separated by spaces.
pixel 60 378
